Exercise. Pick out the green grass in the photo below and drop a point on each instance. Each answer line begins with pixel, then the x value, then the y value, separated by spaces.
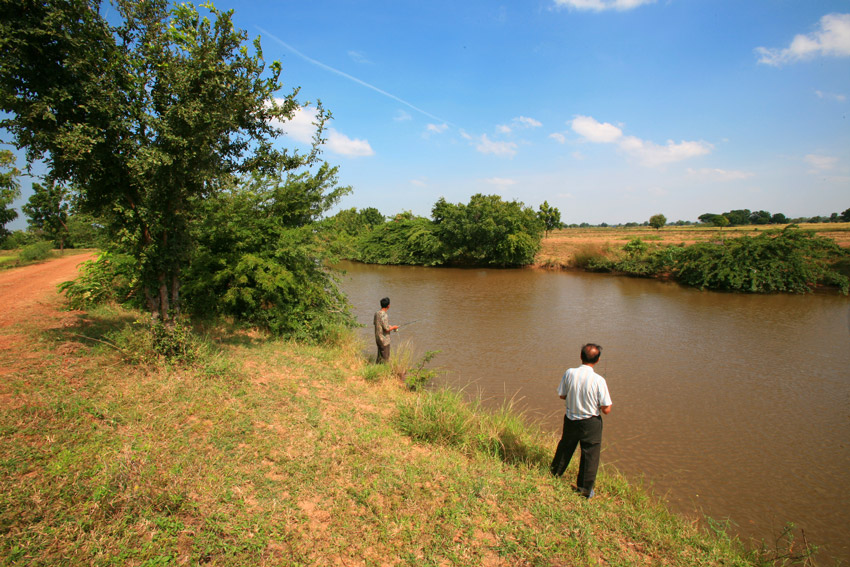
pixel 274 452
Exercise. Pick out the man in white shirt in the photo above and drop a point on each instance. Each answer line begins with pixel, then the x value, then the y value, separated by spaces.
pixel 587 398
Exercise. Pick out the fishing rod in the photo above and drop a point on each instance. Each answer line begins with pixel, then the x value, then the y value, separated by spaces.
pixel 408 323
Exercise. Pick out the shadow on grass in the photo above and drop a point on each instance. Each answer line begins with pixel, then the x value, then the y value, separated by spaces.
pixel 90 328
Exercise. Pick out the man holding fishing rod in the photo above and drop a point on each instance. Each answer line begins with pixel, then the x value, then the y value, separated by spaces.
pixel 587 398
pixel 382 331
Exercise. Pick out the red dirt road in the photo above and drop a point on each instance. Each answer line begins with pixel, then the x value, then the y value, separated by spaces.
pixel 30 292
pixel 29 300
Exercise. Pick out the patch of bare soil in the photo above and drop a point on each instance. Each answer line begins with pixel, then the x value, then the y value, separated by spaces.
pixel 29 298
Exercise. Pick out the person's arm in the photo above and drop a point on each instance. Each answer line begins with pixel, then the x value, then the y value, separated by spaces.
pixel 605 409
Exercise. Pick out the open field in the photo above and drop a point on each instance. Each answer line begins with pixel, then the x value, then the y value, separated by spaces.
pixel 559 248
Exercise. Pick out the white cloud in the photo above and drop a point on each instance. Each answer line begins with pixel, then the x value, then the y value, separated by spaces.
pixel 831 96
pixel 646 152
pixel 518 123
pixel 500 181
pixel 713 174
pixel 820 163
pixel 526 122
pixel 558 137
pixel 436 128
pixel 596 131
pixel 602 5
pixel 651 154
pixel 343 145
pixel 832 38
pixel 487 146
pixel 402 116
pixel 301 129
pixel 420 182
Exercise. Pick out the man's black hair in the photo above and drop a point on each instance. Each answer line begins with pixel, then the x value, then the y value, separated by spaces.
pixel 590 353
pixel 385 302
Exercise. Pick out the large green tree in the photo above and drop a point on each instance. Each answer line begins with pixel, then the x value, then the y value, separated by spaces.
pixel 10 190
pixel 149 117
pixel 47 211
pixel 259 255
pixel 487 231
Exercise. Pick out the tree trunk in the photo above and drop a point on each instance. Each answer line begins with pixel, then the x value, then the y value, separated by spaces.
pixel 163 298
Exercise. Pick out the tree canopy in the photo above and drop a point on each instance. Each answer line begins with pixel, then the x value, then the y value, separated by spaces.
pixel 147 117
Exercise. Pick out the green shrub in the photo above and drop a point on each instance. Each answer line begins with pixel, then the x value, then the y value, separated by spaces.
pixel 35 252
pixel 109 277
pixel 153 342
pixel 418 377
pixel 790 260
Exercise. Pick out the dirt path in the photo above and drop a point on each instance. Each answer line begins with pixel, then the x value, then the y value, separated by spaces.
pixel 28 297
pixel 31 290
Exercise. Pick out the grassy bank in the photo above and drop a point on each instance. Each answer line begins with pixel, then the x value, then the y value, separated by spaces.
pixel 266 452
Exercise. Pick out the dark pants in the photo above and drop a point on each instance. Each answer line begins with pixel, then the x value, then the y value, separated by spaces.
pixel 588 433
pixel 383 353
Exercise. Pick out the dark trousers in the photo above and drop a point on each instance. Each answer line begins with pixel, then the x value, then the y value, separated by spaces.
pixel 383 353
pixel 587 433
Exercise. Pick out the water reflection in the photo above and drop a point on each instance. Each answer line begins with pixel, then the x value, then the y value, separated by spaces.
pixel 731 404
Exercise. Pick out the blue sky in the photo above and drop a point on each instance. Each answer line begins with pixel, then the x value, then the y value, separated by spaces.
pixel 611 110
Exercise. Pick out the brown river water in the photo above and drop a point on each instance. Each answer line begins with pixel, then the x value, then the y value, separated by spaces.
pixel 732 406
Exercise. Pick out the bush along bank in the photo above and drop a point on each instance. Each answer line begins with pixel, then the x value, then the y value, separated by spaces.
pixel 257 451
pixel 487 231
pixel 788 260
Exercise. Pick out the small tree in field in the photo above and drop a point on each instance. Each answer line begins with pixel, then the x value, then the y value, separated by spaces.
pixel 550 217
pixel 657 221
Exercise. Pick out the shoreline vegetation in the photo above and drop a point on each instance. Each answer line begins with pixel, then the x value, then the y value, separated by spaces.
pixel 242 449
pixel 751 258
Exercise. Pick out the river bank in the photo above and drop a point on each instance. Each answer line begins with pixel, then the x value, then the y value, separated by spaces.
pixel 274 452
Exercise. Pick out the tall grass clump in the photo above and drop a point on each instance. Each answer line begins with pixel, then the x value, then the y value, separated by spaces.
pixel 404 366
pixel 444 417
pixel 590 257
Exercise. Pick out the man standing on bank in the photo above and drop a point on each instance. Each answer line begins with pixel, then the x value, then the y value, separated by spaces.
pixel 382 331
pixel 586 393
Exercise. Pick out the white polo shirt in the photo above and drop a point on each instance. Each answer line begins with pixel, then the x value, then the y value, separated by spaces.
pixel 585 392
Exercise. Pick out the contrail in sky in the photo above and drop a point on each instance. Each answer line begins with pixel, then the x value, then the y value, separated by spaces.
pixel 350 78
